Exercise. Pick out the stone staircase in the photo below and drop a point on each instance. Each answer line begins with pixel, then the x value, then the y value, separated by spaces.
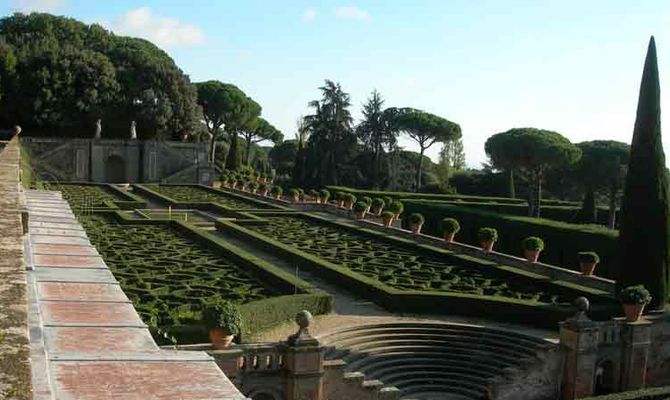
pixel 432 360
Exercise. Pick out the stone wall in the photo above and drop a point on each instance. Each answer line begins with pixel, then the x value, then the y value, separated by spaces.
pixel 14 348
pixel 118 161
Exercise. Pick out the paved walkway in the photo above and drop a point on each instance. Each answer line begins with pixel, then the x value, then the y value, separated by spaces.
pixel 87 341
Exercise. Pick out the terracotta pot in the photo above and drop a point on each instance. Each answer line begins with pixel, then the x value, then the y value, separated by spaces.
pixel 587 268
pixel 317 199
pixel 349 205
pixel 324 201
pixel 360 215
pixel 296 199
pixel 388 222
pixel 278 196
pixel 340 203
pixel 633 312
pixel 416 228
pixel 376 210
pixel 487 246
pixel 219 338
pixel 449 236
pixel 532 255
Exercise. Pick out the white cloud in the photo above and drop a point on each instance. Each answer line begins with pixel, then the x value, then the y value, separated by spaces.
pixel 309 14
pixel 351 12
pixel 164 32
pixel 37 5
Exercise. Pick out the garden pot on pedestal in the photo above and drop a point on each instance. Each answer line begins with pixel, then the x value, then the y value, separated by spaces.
pixel 296 198
pixel 219 338
pixel 587 268
pixel 415 228
pixel 532 255
pixel 487 246
pixel 278 196
pixel 449 236
pixel 349 205
pixel 388 222
pixel 633 312
pixel 360 215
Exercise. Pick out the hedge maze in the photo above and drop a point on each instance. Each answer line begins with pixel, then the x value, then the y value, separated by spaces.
pixel 167 276
pixel 392 265
pixel 84 196
pixel 189 194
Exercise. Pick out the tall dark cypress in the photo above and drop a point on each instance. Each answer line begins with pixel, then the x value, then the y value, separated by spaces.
pixel 645 227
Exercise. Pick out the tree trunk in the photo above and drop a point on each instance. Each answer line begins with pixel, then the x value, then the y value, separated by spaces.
pixel 512 189
pixel 231 159
pixel 212 149
pixel 246 156
pixel 611 221
pixel 538 194
pixel 588 212
pixel 418 172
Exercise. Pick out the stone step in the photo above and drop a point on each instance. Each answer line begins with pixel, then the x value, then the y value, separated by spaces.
pixel 410 388
pixel 409 365
pixel 369 361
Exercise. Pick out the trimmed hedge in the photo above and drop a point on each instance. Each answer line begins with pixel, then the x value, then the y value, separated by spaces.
pixel 563 241
pixel 445 197
pixel 659 393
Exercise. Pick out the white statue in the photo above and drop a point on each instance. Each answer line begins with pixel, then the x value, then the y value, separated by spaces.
pixel 98 128
pixel 133 131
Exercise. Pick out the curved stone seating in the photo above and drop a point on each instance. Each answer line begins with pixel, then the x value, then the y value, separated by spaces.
pixel 431 360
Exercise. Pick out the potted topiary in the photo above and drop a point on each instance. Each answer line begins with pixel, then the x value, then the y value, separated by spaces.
pixel 253 186
pixel 387 201
pixel 314 194
pixel 396 208
pixel 588 260
pixel 387 217
pixel 634 299
pixel 295 195
pixel 416 221
pixel 360 208
pixel 223 320
pixel 532 246
pixel 487 237
pixel 301 194
pixel 349 200
pixel 450 227
pixel 325 196
pixel 276 192
pixel 241 184
pixel 377 205
pixel 263 188
pixel 339 199
pixel 367 200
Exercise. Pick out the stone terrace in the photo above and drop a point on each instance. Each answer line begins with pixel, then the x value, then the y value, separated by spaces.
pixel 86 339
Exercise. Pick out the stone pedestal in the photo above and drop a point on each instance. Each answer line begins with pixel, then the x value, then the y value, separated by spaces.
pixel 635 342
pixel 304 370
pixel 579 343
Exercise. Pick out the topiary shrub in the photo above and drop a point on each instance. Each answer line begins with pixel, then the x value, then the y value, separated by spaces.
pixel 295 195
pixel 387 200
pixel 416 221
pixel 349 201
pixel 396 208
pixel 360 208
pixel 387 217
pixel 588 257
pixel 325 196
pixel 450 228
pixel 301 193
pixel 253 186
pixel 377 205
pixel 222 318
pixel 314 194
pixel 532 247
pixel 276 192
pixel 634 299
pixel 263 188
pixel 487 237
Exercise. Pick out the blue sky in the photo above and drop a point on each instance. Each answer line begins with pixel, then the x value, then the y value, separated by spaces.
pixel 569 66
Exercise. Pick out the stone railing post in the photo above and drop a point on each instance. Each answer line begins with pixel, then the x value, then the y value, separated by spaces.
pixel 635 342
pixel 304 363
pixel 579 344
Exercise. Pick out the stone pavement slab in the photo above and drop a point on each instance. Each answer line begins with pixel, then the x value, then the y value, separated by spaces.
pixel 89 314
pixel 58 232
pixel 56 225
pixel 68 261
pixel 98 340
pixel 54 239
pixel 65 249
pixel 70 291
pixel 81 275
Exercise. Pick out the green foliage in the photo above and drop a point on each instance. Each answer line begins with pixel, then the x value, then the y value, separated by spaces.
pixel 325 194
pixel 72 74
pixel 563 240
pixel 258 131
pixel 224 315
pixel 637 294
pixel 376 132
pixel 200 194
pixel 387 200
pixel 263 187
pixel 416 218
pixel 450 225
pixel 313 193
pixel 367 200
pixel 294 192
pixel 276 191
pixel 487 234
pixel 360 206
pixel 588 257
pixel 533 243
pixel 386 215
pixel 657 393
pixel 378 203
pixel 252 185
pixel 644 238
pixel 348 197
pixel 396 207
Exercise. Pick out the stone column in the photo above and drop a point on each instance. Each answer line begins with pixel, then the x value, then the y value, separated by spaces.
pixel 579 344
pixel 635 342
pixel 303 363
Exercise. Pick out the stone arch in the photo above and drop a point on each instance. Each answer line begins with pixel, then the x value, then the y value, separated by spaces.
pixel 115 169
pixel 605 377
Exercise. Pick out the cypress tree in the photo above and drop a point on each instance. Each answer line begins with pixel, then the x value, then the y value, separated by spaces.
pixel 645 227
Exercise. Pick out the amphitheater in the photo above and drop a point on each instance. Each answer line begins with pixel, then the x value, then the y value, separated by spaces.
pixel 103 285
